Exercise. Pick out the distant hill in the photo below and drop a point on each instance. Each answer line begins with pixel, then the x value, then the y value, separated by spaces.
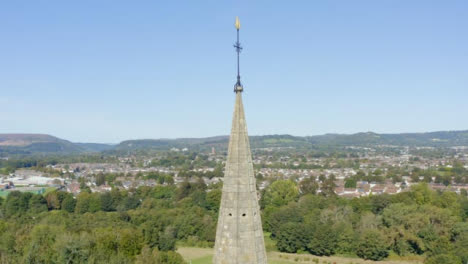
pixel 35 143
pixel 431 139
pixel 22 140
pixel 47 144
pixel 166 144
pixel 39 143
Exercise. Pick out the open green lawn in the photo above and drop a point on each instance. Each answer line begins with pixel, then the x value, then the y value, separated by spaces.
pixel 204 256
pixel 202 260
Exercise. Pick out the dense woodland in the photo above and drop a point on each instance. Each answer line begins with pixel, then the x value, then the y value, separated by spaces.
pixel 145 225
pixel 417 222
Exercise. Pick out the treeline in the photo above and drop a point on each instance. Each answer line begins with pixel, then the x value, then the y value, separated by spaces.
pixel 135 226
pixel 184 161
pixel 456 173
pixel 418 222
pixel 217 172
pixel 10 165
pixel 303 165
pixel 39 162
pixel 161 178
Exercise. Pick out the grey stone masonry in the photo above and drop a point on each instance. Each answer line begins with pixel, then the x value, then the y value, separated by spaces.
pixel 239 235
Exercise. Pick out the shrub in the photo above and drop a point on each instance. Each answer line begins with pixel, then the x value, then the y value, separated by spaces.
pixel 443 258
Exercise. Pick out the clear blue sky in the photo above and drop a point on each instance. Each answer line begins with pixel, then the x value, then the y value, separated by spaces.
pixel 105 71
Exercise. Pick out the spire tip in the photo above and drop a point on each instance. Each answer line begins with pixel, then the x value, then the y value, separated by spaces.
pixel 238 86
pixel 237 23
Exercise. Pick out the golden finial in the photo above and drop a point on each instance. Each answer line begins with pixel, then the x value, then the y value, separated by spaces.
pixel 237 23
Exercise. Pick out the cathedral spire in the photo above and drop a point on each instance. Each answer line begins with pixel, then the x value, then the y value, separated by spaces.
pixel 239 233
pixel 238 86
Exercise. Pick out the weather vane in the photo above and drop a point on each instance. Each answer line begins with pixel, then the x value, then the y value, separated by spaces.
pixel 238 86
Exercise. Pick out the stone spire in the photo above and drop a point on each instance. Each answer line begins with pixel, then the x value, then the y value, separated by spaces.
pixel 239 235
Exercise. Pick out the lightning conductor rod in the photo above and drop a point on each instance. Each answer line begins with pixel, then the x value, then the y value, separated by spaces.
pixel 238 87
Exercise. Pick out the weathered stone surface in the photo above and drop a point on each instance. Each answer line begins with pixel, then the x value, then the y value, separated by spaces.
pixel 239 235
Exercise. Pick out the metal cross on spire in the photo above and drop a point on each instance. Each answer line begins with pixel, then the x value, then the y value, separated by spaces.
pixel 238 86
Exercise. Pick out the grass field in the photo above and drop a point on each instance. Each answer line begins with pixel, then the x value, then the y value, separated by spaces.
pixel 204 256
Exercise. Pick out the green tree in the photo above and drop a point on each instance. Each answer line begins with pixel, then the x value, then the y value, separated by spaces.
pixel 291 237
pixel 441 246
pixel 82 202
pixel 69 203
pixel 199 198
pixel 169 257
pixel 280 193
pixel 39 249
pixel 73 248
pixel 328 187
pixel 379 203
pixel 94 202
pixel 372 246
pixel 155 256
pixel 323 241
pixel 184 190
pixel 350 183
pixel 129 202
pixel 37 204
pixel 130 242
pixel 346 239
pixel 147 256
pixel 463 192
pixel 461 246
pixel 274 218
pixel 443 258
pixel 167 239
pixel 16 203
pixel 421 194
pixel 213 200
pixel 308 186
pixel 107 242
pixel 100 179
pixel 53 202
pixel 106 202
